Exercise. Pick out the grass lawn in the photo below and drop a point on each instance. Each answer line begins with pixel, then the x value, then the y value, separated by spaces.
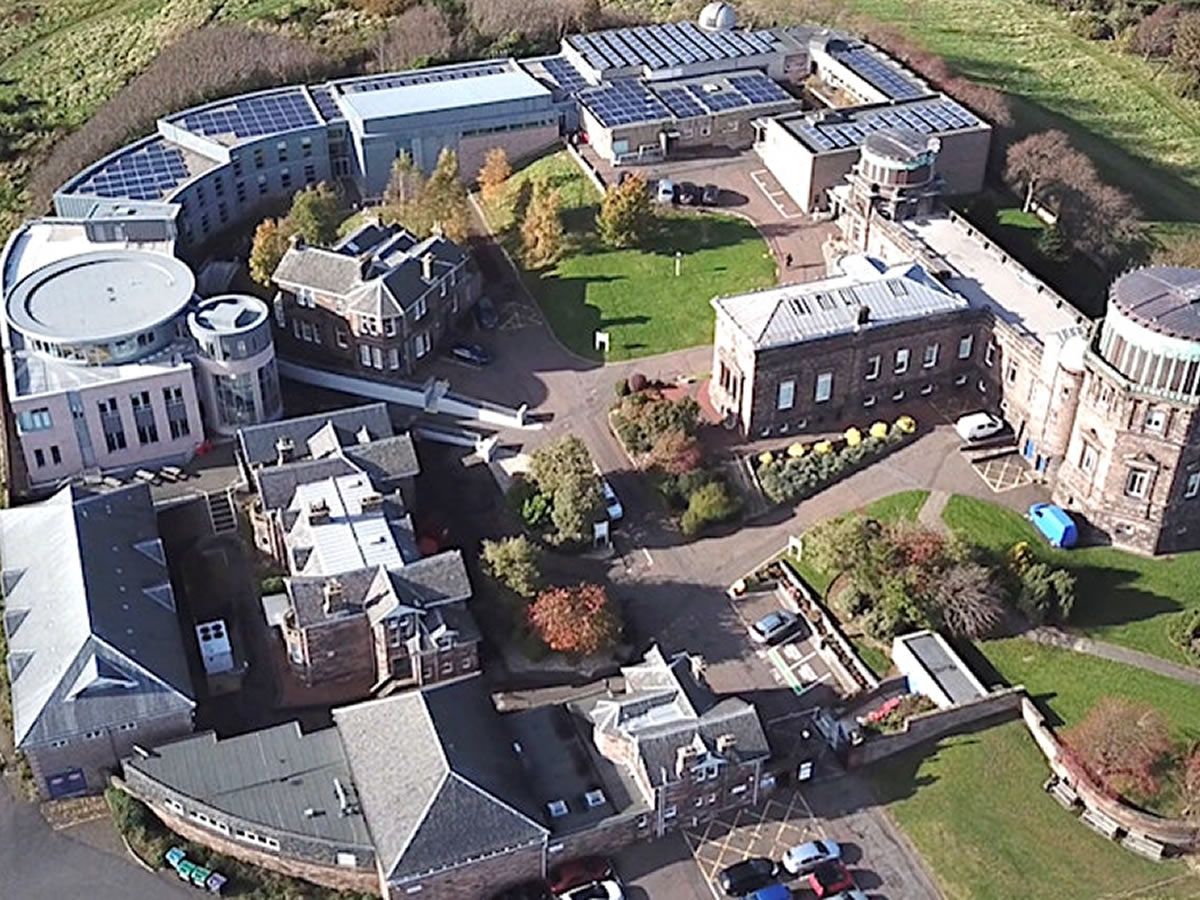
pixel 975 810
pixel 1119 110
pixel 634 294
pixel 1121 597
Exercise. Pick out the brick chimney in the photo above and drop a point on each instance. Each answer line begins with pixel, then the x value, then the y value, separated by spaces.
pixel 685 756
pixel 318 512
pixel 427 266
pixel 334 596
pixel 285 450
pixel 372 503
pixel 725 744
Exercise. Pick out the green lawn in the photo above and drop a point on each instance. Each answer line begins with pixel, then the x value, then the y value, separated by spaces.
pixel 1121 597
pixel 634 295
pixel 1119 110
pixel 975 810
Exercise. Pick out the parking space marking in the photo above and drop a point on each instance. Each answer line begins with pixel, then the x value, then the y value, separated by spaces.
pixel 1003 473
pixel 756 177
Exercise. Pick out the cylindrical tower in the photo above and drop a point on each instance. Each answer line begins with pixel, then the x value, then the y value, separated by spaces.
pixel 235 362
pixel 718 16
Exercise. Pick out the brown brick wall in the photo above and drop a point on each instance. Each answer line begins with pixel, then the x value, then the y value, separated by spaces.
pixel 475 880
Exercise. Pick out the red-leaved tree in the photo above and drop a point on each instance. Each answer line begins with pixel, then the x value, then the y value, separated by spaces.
pixel 579 619
pixel 1121 744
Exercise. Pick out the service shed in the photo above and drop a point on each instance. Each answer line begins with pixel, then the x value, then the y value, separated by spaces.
pixel 1054 523
pixel 934 670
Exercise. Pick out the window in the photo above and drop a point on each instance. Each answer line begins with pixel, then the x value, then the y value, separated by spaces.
pixel 421 344
pixel 281 151
pixel 343 339
pixel 1137 483
pixel 670 812
pixel 39 458
pixel 147 433
pixel 34 420
pixel 1087 459
pixel 377 357
pixel 1011 375
pixel 824 388
pixel 898 395
pixel 966 344
pixel 389 326
pixel 55 456
pixel 1192 488
pixel 737 789
pixel 285 179
pixel 901 365
pixel 93 735
pixel 364 354
pixel 868 401
pixel 419 309
pixel 873 365
pixel 931 355
pixel 1156 420
pixel 59 743
pixel 786 394
pixel 700 801
pixel 989 353
pixel 349 860
pixel 393 358
pixel 712 798
pixel 127 726
pixel 306 332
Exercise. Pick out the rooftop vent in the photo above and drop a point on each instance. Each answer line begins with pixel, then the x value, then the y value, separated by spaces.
pixel 594 798
pixel 318 512
pixel 557 808
pixel 864 315
pixel 334 596
pixel 372 502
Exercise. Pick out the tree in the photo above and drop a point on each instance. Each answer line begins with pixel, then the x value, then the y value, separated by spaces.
pixel 421 34
pixel 494 175
pixel 446 197
pixel 577 503
pixel 1154 36
pixel 1046 594
pixel 272 238
pixel 1185 50
pixel 1052 245
pixel 552 464
pixel 709 503
pixel 1121 744
pixel 1189 784
pixel 513 562
pixel 676 452
pixel 315 214
pixel 577 620
pixel 406 199
pixel 844 544
pixel 1182 253
pixel 626 214
pixel 970 599
pixel 1039 161
pixel 542 228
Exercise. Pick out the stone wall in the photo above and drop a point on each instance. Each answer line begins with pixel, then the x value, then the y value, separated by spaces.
pixel 475 879
pixel 1004 704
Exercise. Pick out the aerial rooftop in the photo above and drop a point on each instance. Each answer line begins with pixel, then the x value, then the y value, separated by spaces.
pixel 948 673
pixel 100 296
pixel 868 296
pixel 228 314
pixel 1164 298
pixel 891 80
pixel 404 97
pixel 844 130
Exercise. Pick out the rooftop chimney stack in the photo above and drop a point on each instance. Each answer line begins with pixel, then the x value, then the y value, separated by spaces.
pixel 318 512
pixel 285 450
pixel 334 596
pixel 725 744
pixel 427 266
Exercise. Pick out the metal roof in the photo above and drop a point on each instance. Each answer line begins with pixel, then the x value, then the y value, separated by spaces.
pixel 279 777
pixel 795 313
pixel 948 671
pixel 350 536
pixel 880 71
pixel 1165 298
pixel 672 45
pixel 408 98
pixel 100 296
pixel 836 131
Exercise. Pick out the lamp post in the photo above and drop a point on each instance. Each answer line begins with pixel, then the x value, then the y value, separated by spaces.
pixel 678 263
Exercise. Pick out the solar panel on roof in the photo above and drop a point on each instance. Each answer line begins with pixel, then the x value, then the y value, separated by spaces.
pixel 681 103
pixel 564 74
pixel 254 116
pixel 323 97
pixel 145 173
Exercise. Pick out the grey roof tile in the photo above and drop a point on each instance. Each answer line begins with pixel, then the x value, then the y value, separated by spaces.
pixel 258 442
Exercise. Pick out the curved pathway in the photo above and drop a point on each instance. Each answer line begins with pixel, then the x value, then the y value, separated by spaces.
pixel 1055 637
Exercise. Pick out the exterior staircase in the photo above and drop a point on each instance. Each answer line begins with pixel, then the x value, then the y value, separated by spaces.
pixel 221 512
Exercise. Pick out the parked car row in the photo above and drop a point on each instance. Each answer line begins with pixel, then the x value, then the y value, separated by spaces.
pixel 686 193
pixel 586 878
pixel 818 862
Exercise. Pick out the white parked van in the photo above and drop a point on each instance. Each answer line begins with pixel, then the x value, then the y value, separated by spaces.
pixel 978 426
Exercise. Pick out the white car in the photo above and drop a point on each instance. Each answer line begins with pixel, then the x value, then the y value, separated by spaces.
pixel 596 890
pixel 978 426
pixel 665 191
pixel 803 858
pixel 616 512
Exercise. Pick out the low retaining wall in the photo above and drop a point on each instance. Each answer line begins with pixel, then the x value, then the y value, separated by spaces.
pixel 1003 704
pixel 1172 832
pixel 586 167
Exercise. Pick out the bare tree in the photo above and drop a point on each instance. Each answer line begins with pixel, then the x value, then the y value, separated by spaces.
pixel 535 19
pixel 971 600
pixel 1189 783
pixel 1154 36
pixel 1040 161
pixel 1121 743
pixel 419 33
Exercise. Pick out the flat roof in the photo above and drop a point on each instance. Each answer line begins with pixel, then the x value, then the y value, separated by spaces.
pixel 979 273
pixel 228 314
pixel 877 69
pixel 839 130
pixel 100 296
pixel 412 99
pixel 794 313
pixel 944 666
pixel 674 45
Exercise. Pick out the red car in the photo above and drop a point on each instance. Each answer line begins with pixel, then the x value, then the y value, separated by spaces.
pixel 830 878
pixel 579 871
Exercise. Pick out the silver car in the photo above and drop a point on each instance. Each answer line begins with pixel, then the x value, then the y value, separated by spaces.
pixel 803 858
pixel 774 627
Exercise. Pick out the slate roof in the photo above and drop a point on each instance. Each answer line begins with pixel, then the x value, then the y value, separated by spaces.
pixel 1164 298
pixel 378 270
pixel 269 777
pixel 665 706
pixel 94 640
pixel 258 442
pixel 458 794
pixel 795 313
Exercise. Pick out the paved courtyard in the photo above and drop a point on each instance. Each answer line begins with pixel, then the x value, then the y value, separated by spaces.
pixel 1003 473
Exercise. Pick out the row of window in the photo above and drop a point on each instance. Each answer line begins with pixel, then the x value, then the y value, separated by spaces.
pixel 1138 481
pixel 372 357
pixel 144 419
pixel 205 223
pixel 823 386
pixel 95 734
pixel 672 810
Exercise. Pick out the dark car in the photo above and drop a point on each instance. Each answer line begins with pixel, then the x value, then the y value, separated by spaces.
pixel 711 195
pixel 830 878
pixel 689 194
pixel 485 313
pixel 747 876
pixel 471 354
pixel 579 871
pixel 526 890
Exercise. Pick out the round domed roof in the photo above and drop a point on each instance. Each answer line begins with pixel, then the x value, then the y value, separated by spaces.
pixel 1165 299
pixel 718 16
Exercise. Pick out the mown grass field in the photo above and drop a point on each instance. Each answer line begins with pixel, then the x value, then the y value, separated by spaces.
pixel 1121 597
pixel 635 295
pixel 974 807
pixel 1119 110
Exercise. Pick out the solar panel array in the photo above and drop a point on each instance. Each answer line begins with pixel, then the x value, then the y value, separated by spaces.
pixel 432 76
pixel 565 75
pixel 667 46
pixel 925 117
pixel 718 100
pixel 145 173
pixel 252 116
pixel 894 83
pixel 758 88
pixel 623 103
pixel 681 103
pixel 326 105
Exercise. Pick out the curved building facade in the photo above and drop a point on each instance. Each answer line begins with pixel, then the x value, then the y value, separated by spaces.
pixel 235 363
pixel 1133 464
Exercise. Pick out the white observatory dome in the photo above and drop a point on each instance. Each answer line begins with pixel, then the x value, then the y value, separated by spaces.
pixel 718 16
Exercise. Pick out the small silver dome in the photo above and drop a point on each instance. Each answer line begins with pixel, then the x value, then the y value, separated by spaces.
pixel 718 16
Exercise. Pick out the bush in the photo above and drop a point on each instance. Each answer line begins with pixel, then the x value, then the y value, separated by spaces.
pixel 707 505
pixel 535 510
pixel 1046 594
pixel 638 382
pixel 622 388
pixel 514 562
pixel 271 584
pixel 643 417
pixel 791 478
pixel 676 489
pixel 1183 630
